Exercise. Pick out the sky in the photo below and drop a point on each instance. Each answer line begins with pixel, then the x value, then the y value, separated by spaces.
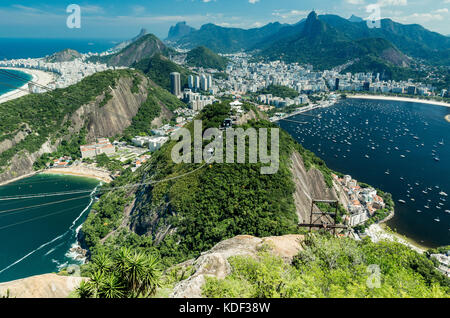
pixel 123 19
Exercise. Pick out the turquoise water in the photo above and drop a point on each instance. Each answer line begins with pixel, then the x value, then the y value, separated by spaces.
pixel 392 146
pixel 37 233
pixel 8 84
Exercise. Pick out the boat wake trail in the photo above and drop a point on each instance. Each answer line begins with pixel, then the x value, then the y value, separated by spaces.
pixel 56 238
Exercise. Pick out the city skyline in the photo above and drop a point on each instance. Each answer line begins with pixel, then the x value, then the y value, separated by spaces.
pixel 118 20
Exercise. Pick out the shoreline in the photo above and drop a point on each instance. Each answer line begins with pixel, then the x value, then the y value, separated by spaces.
pixel 399 99
pixel 81 171
pixel 380 232
pixel 40 77
pixel 84 172
pixel 3 183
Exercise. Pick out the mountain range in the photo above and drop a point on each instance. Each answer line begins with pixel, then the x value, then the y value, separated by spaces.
pixel 336 37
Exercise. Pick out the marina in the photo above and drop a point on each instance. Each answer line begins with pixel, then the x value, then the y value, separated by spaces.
pixel 399 147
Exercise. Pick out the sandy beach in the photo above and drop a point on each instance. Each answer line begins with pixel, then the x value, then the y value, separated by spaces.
pixel 400 99
pixel 377 233
pixel 82 171
pixel 40 77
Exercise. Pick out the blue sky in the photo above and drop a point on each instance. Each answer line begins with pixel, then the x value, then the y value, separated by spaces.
pixel 122 19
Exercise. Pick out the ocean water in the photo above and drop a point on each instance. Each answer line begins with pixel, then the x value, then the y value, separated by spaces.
pixel 37 233
pixel 11 48
pixel 8 84
pixel 401 141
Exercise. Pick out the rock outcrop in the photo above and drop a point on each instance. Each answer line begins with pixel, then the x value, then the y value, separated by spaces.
pixel 214 263
pixel 40 286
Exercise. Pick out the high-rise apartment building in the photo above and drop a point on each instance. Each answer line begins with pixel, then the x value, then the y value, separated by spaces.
pixel 175 83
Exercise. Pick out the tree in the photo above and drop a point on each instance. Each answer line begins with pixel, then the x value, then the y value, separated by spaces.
pixel 126 274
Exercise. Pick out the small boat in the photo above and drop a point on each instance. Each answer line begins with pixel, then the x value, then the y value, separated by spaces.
pixel 387 172
pixel 441 142
pixel 419 211
pixel 403 156
pixel 443 193
pixel 402 201
pixel 437 158
pixel 367 156
pixel 437 220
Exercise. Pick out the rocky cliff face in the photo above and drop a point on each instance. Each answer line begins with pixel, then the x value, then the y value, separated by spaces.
pixel 214 263
pixel 310 185
pixel 106 121
pixel 112 118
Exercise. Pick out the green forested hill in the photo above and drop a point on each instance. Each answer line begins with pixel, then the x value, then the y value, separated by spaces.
pixel 217 201
pixel 144 47
pixel 178 219
pixel 204 57
pixel 44 114
pixel 158 69
pixel 42 118
pixel 233 199
pixel 325 46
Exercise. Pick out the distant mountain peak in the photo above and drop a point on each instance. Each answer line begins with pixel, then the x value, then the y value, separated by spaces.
pixel 355 18
pixel 141 34
pixel 312 16
pixel 179 30
pixel 313 26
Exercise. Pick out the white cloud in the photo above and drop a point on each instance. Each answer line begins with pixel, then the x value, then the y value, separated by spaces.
pixel 443 10
pixel 355 2
pixel 137 9
pixel 289 14
pixel 420 18
pixel 383 3
pixel 92 9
